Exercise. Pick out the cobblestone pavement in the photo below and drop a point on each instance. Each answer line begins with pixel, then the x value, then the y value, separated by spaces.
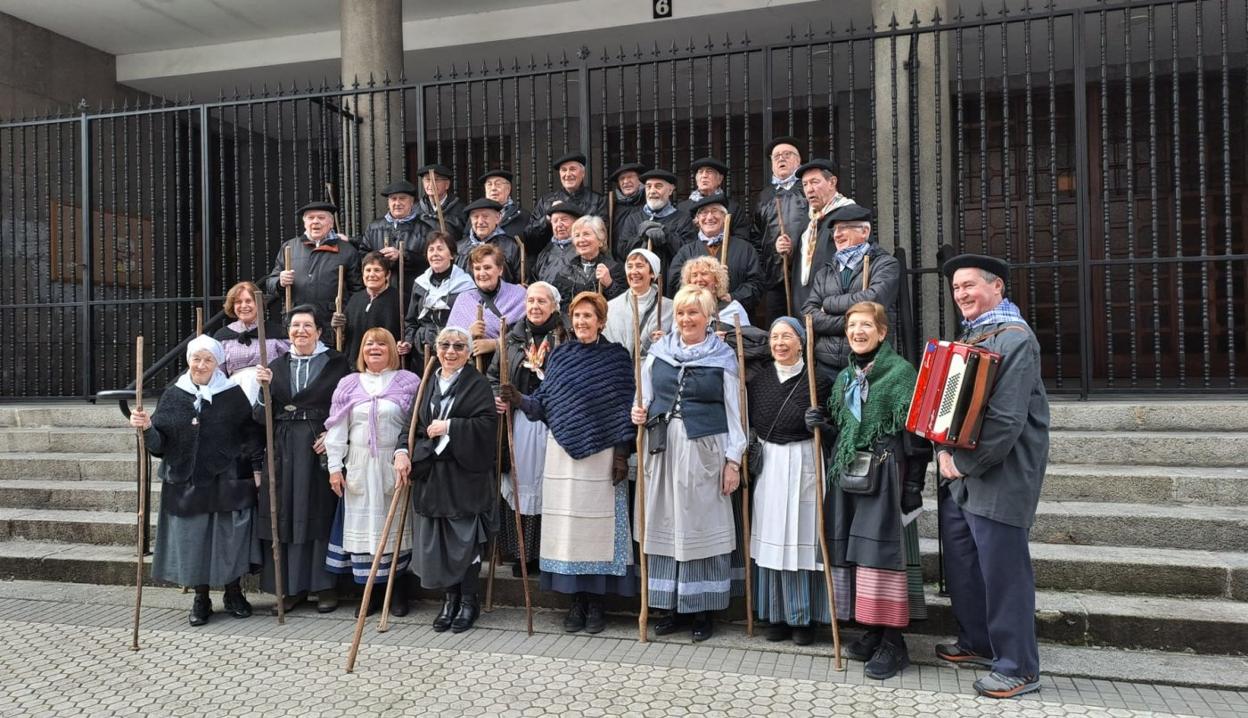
pixel 70 658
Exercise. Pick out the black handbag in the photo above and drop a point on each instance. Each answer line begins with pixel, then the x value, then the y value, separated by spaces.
pixel 862 476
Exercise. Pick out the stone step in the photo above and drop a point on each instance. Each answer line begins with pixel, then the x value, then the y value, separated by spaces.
pixel 82 495
pixel 1206 528
pixel 67 440
pixel 1164 415
pixel 65 414
pixel 67 525
pixel 1153 448
pixel 117 466
pixel 1196 625
pixel 1128 570
pixel 1214 486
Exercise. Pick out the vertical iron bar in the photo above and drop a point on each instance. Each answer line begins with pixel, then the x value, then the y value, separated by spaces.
pixel 1129 110
pixel 468 136
pixel 853 118
pixel 1106 229
pixel 1227 224
pixel 959 129
pixel 1154 203
pixel 1082 201
pixel 117 347
pixel 916 214
pixel 810 98
pixel 1007 173
pixel 788 91
pixel 205 179
pixel 871 108
pixel 671 64
pixel 895 140
pixel 584 111
pixel 637 104
pixel 87 328
pixel 745 114
pixel 237 228
pixel 768 104
pixel 1202 167
pixel 983 139
pixel 1176 174
pixel 1054 247
pixel 1030 127
pixel 658 154
pixel 372 152
pixel 938 87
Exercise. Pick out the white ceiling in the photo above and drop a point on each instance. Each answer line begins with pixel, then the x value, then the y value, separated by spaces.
pixel 122 27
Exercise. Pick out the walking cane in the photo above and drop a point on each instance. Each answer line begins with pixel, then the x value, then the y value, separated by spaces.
pixel 291 286
pixel 610 217
pixel 498 470
pixel 819 479
pixel 433 182
pixel 643 619
pixel 481 318
pixel 372 575
pixel 723 247
pixel 866 271
pixel 383 624
pixel 268 453
pixel 788 292
pixel 338 331
pixel 503 376
pixel 658 304
pixel 199 321
pixel 523 261
pixel 745 481
pixel 142 518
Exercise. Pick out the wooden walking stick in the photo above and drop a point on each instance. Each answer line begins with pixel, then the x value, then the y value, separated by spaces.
pixel 504 372
pixel 199 321
pixel 658 305
pixel 383 624
pixel 523 261
pixel 819 479
pixel 610 217
pixel 338 331
pixel 643 618
pixel 498 469
pixel 142 517
pixel 788 291
pixel 289 287
pixel 723 247
pixel 481 318
pixel 866 271
pixel 278 579
pixel 437 204
pixel 745 482
pixel 368 587
pixel 402 316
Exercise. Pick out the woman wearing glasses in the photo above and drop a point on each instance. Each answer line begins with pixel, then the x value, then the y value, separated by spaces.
pixel 452 475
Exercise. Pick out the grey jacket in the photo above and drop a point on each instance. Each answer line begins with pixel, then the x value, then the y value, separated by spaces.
pixel 829 299
pixel 1003 474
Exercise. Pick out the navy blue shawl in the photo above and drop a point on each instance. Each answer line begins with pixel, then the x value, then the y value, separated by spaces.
pixel 586 397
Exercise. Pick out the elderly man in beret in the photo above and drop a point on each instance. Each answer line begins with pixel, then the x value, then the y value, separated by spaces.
pixel 853 269
pixel 992 491
pixel 708 181
pixel 811 242
pixel 626 192
pixel 551 260
pixel 315 256
pixel 403 228
pixel 573 189
pixel 435 180
pixel 657 224
pixel 496 185
pixel 483 218
pixel 745 276
pixel 781 211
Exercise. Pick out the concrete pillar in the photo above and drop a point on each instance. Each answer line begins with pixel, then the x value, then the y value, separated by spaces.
pixel 372 44
pixel 894 224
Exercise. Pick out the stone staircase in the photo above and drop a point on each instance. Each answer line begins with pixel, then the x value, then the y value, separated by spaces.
pixel 1141 540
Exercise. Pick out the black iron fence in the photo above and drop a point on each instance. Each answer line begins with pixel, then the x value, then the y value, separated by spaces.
pixel 1101 150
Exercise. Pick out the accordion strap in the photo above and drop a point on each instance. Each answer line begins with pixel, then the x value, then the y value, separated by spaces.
pixel 985 337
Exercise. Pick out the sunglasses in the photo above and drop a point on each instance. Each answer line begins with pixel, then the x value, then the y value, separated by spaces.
pixel 452 346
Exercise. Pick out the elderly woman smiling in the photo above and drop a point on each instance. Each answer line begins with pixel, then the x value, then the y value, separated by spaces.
pixel 211 450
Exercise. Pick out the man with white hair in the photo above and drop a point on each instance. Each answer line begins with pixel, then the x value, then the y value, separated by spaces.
pixel 483 218
pixel 573 189
pixel 315 257
pixel 779 212
pixel 656 225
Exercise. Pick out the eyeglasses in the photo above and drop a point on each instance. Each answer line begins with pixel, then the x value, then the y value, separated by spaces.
pixel 452 346
pixel 784 155
pixel 839 226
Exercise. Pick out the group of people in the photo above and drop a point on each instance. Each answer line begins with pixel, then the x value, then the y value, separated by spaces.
pixel 551 340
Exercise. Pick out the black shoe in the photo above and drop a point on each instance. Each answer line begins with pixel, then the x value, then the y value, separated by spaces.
pixel 469 609
pixel 398 600
pixel 450 607
pixel 575 620
pixel 864 648
pixel 803 635
pixel 327 600
pixel 236 604
pixel 289 603
pixel 670 623
pixel 778 632
pixel 889 658
pixel 201 609
pixel 595 620
pixel 703 627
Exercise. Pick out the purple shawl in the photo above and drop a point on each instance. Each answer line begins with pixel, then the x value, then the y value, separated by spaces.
pixel 509 301
pixel 401 391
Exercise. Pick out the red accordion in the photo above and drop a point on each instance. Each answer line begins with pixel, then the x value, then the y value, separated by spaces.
pixel 951 393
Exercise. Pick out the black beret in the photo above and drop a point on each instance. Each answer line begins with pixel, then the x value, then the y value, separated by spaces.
pixel 782 140
pixel 711 162
pixel 659 174
pixel 720 199
pixel 322 206
pixel 626 167
pixel 437 169
pixel 483 203
pixel 567 208
pixel 570 157
pixel 850 213
pixel 825 165
pixel 976 261
pixel 400 187
pixel 496 173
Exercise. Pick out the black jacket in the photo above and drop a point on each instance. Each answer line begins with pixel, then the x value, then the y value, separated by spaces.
pixel 745 276
pixel 537 234
pixel 795 211
pixel 830 298
pixel 549 262
pixel 509 245
pixel 678 230
pixel 575 277
pixel 316 273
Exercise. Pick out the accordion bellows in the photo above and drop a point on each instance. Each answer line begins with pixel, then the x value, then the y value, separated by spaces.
pixel 951 393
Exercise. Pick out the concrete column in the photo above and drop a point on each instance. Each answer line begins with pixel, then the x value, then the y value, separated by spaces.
pixel 893 224
pixel 372 44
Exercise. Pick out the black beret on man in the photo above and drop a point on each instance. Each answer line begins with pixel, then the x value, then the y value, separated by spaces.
pixel 976 261
pixel 440 170
pixel 570 157
pixel 504 174
pixel 566 208
pixel 659 174
pixel 316 206
pixel 710 162
pixel 483 203
pixel 637 167
pixel 399 187
pixel 850 213
pixel 782 140
pixel 825 165
pixel 715 199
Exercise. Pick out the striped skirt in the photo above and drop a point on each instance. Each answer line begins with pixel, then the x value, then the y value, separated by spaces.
pixel 797 598
pixel 338 560
pixel 703 584
pixel 879 597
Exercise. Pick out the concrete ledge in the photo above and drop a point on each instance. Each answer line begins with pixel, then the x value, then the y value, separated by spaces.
pixel 71 467
pixel 1138 484
pixel 70 440
pixel 1147 447
pixel 1152 415
pixel 83 495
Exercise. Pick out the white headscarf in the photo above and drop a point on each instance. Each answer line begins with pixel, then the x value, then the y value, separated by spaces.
pixel 217 383
pixel 650 257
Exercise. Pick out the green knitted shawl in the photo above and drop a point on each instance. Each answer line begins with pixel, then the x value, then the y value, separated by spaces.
pixel 890 386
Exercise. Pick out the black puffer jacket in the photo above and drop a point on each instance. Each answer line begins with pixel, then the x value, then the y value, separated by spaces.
pixel 829 300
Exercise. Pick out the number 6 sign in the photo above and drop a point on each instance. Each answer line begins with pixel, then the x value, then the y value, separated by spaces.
pixel 662 9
